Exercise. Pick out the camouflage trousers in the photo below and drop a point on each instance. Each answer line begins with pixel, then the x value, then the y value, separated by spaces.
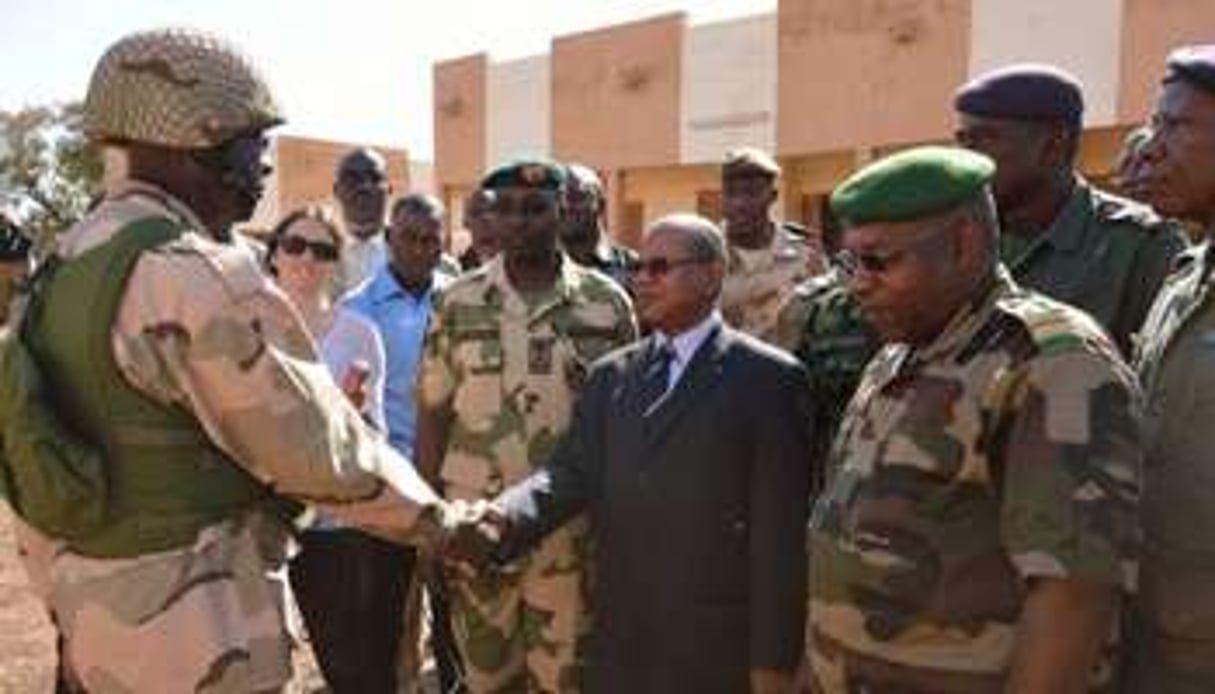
pixel 208 618
pixel 520 630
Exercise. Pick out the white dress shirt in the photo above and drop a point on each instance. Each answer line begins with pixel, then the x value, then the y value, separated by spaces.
pixel 686 343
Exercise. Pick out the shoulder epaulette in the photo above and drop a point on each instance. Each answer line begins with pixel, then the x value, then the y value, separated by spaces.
pixel 1053 326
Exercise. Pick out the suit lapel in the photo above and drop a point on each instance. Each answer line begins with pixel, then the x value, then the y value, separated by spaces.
pixel 702 371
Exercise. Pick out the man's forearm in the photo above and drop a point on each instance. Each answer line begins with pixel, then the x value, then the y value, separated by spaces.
pixel 1064 624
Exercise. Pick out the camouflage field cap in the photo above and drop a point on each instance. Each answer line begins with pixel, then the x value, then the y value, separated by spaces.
pixel 176 88
pixel 912 184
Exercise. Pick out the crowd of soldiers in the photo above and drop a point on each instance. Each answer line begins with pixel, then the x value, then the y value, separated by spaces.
pixel 1007 369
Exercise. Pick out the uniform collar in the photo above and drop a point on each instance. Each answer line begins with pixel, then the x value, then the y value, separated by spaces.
pixel 1067 232
pixel 499 290
pixel 961 329
pixel 134 188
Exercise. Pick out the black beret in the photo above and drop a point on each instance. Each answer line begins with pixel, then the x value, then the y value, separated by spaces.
pixel 1194 65
pixel 1024 92
pixel 14 245
pixel 531 173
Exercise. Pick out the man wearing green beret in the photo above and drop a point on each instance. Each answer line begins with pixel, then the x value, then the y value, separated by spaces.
pixel 506 353
pixel 1062 236
pixel 979 528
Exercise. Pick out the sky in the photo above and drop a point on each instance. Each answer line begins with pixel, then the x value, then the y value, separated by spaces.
pixel 351 70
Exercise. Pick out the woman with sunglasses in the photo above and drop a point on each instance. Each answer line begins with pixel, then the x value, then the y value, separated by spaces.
pixel 302 254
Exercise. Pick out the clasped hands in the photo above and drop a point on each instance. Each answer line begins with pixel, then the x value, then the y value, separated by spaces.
pixel 474 531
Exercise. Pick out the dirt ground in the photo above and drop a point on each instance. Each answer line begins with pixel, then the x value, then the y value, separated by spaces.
pixel 27 641
pixel 27 644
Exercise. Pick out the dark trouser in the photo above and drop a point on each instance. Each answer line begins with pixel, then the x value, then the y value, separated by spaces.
pixel 443 640
pixel 351 590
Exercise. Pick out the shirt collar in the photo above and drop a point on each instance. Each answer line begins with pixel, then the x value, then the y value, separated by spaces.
pixel 385 287
pixel 1067 231
pixel 564 288
pixel 687 342
pixel 130 187
pixel 960 329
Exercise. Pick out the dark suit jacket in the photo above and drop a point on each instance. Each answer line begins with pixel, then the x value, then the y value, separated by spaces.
pixel 698 516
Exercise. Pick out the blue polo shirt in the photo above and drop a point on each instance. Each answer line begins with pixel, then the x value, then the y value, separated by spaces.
pixel 402 318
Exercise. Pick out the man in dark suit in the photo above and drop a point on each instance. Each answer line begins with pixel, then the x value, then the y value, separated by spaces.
pixel 691 451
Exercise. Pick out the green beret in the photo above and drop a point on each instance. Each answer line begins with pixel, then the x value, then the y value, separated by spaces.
pixel 911 184
pixel 534 173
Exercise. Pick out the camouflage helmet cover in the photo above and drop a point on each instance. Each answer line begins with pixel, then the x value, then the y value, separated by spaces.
pixel 176 88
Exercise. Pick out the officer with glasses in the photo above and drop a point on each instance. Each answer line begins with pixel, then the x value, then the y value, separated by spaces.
pixel 978 532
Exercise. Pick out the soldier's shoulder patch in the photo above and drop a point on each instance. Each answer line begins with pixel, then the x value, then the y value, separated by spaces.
pixel 1053 326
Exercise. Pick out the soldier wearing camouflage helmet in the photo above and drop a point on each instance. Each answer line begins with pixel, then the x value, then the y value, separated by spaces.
pixel 508 348
pixel 979 528
pixel 166 348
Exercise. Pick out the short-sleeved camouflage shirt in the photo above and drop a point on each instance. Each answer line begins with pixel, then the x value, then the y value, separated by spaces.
pixel 509 368
pixel 1007 448
pixel 758 282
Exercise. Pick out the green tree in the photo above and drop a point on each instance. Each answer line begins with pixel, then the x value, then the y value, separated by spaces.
pixel 49 172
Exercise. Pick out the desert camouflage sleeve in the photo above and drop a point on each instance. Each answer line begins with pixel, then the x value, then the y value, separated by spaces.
pixel 202 328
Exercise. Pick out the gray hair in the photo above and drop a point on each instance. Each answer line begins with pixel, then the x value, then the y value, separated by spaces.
pixel 700 236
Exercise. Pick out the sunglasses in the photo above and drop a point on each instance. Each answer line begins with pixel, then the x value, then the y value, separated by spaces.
pixel 853 263
pixel 322 251
pixel 660 267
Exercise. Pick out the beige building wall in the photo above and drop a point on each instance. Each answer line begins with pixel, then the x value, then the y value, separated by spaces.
pixel 303 175
pixel 518 98
pixel 868 72
pixel 1081 36
pixel 460 119
pixel 1151 29
pixel 616 94
pixel 729 88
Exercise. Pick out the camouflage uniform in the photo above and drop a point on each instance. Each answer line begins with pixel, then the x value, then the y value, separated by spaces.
pixel 509 371
pixel 1004 449
pixel 758 282
pixel 1104 254
pixel 1174 360
pixel 200 329
pixel 823 326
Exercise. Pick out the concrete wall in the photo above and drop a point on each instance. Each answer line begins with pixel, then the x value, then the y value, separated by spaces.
pixel 616 94
pixel 518 110
pixel 867 72
pixel 1049 31
pixel 459 116
pixel 303 175
pixel 729 88
pixel 1150 30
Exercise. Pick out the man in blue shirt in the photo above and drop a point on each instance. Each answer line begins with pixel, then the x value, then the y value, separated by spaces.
pixel 398 297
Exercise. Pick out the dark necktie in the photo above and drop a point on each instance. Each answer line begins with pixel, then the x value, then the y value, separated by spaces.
pixel 655 376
